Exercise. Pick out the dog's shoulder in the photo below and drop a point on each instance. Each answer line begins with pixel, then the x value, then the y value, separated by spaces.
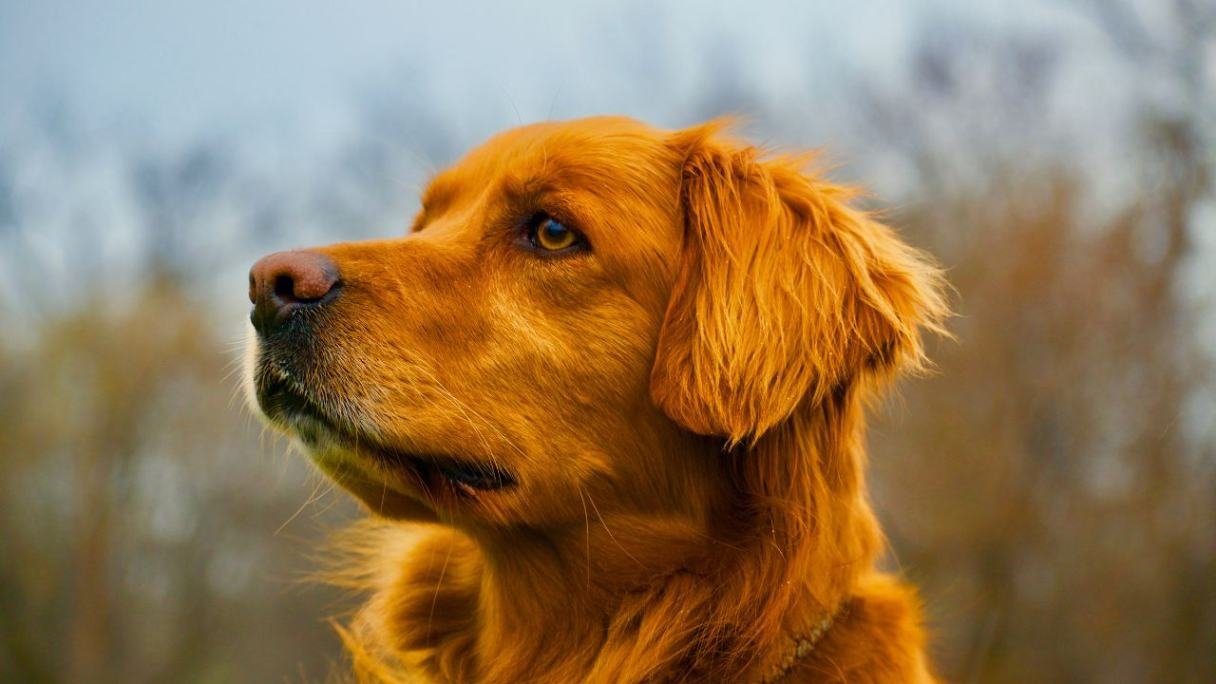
pixel 420 618
pixel 878 637
pixel 434 593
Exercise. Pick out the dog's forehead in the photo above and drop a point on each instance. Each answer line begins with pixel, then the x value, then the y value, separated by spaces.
pixel 593 132
pixel 597 145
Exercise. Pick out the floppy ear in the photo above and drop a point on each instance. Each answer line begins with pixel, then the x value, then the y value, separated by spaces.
pixel 784 293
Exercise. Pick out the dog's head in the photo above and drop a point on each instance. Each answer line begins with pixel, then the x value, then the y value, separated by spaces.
pixel 583 312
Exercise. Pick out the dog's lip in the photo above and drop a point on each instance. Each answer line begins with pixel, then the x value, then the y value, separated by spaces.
pixel 468 476
pixel 280 400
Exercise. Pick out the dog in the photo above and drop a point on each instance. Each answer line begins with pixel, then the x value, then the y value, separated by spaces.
pixel 606 404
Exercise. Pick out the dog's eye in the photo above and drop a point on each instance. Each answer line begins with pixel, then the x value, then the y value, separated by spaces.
pixel 548 234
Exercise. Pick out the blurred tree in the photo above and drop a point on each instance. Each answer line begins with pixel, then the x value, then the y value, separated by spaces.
pixel 1053 487
pixel 140 529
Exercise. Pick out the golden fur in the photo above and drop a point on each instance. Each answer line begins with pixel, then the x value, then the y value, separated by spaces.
pixel 681 406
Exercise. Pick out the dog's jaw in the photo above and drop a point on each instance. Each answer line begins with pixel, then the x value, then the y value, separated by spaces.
pixel 392 482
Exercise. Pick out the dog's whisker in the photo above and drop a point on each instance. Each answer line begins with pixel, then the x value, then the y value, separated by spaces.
pixel 430 618
pixel 587 528
pixel 469 414
pixel 312 497
pixel 610 534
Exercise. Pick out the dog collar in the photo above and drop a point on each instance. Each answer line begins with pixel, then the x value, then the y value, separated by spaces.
pixel 804 645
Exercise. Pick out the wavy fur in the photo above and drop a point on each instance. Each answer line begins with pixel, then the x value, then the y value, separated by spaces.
pixel 683 407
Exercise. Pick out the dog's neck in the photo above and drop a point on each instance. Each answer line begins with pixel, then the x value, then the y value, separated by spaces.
pixel 628 598
pixel 581 589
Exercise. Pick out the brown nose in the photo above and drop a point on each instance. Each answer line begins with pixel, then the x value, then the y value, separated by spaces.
pixel 284 282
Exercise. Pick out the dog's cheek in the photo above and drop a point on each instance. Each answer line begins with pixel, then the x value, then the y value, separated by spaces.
pixel 593 405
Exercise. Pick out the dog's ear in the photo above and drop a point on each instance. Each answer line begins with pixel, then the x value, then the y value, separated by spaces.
pixel 784 292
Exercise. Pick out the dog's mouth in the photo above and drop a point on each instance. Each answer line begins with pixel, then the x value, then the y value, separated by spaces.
pixel 282 402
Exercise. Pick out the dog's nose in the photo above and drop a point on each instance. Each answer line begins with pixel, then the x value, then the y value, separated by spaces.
pixel 283 282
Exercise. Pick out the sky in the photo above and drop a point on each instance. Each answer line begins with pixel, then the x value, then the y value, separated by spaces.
pixel 180 68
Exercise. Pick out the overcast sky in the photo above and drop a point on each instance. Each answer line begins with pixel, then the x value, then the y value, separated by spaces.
pixel 184 67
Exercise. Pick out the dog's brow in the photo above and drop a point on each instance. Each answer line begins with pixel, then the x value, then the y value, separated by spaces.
pixel 530 181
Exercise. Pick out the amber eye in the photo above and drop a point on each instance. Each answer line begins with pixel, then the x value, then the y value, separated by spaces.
pixel 551 236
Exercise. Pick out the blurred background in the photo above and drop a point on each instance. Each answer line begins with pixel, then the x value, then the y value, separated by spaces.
pixel 1052 488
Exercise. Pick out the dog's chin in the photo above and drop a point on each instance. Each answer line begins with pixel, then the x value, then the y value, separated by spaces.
pixel 391 481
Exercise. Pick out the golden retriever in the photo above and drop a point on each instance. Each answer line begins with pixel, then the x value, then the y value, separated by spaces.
pixel 608 398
